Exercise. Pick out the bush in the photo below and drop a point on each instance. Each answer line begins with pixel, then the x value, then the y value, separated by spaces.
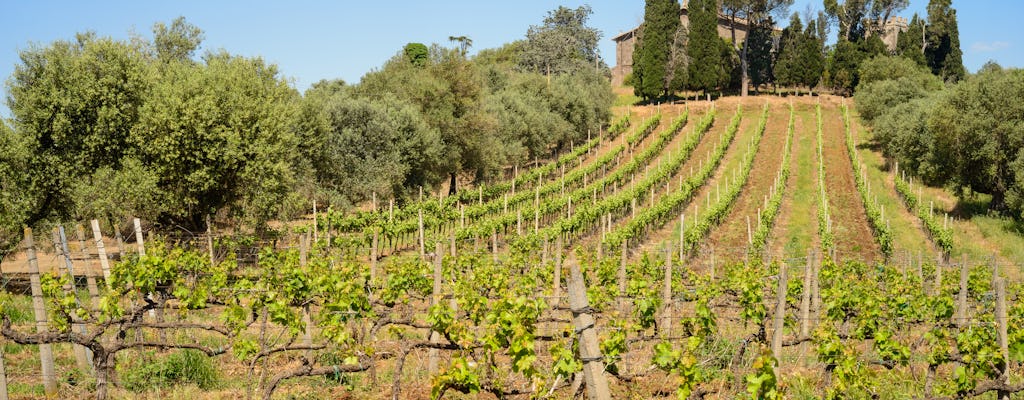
pixel 180 367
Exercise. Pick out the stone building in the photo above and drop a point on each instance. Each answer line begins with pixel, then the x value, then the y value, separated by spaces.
pixel 891 31
pixel 625 41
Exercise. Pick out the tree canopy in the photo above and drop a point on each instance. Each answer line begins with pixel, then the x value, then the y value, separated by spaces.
pixel 652 53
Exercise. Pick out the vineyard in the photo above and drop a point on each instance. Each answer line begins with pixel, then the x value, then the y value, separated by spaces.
pixel 743 248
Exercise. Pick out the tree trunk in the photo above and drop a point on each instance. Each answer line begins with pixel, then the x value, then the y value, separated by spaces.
pixel 451 184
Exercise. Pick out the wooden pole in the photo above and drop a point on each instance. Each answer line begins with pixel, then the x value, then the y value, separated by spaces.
pixel 374 254
pixel 307 317
pixel 961 298
pixel 780 314
pixel 101 251
pixel 666 293
pixel 209 240
pixel 805 298
pixel 621 278
pixel 435 299
pixel 90 271
pixel 423 250
pixel 60 243
pixel 590 350
pixel 1001 325
pixel 557 279
pixel 140 244
pixel 39 310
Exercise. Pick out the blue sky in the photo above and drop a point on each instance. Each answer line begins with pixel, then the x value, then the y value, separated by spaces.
pixel 311 40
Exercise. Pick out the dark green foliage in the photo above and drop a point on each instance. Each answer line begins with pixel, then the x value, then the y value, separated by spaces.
pixel 73 105
pixel 845 60
pixel 978 127
pixel 231 147
pixel 811 61
pixel 707 71
pixel 563 44
pixel 417 54
pixel 910 44
pixel 653 50
pixel 177 368
pixel 361 146
pixel 968 136
pixel 759 54
pixel 943 52
pixel 889 81
pixel 787 63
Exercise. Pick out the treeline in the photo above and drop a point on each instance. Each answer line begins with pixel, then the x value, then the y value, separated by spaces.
pixel 968 135
pixel 105 128
pixel 669 57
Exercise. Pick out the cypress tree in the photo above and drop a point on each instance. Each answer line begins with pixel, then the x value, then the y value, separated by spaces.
pixel 786 66
pixel 759 53
pixel 943 51
pixel 811 59
pixel 910 44
pixel 653 49
pixel 704 45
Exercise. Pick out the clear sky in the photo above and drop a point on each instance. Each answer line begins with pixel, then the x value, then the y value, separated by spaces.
pixel 312 40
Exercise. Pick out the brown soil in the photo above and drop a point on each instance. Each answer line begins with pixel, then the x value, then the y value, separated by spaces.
pixel 803 136
pixel 732 234
pixel 850 226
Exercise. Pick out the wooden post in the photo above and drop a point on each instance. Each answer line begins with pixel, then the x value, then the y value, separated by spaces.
pixel 119 240
pixel 590 350
pixel 666 293
pixel 39 310
pixel 938 275
pixel 805 298
pixel 60 243
pixel 435 299
pixel 101 251
pixel 209 240
pixel 494 244
pixel 141 245
pixel 307 318
pixel 815 286
pixel 961 298
pixel 621 278
pixel 682 236
pixel 3 376
pixel 557 279
pixel 374 254
pixel 316 227
pixel 1001 325
pixel 780 313
pixel 90 271
pixel 423 250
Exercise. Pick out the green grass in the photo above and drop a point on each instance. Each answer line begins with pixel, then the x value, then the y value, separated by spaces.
pixel 626 100
pixel 803 223
pixel 906 231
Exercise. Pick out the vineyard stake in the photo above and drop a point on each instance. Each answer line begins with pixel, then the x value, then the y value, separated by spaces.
pixel 82 355
pixel 622 277
pixel 39 310
pixel 1002 322
pixel 780 313
pixel 557 279
pixel 209 240
pixel 90 270
pixel 307 318
pixel 435 299
pixel 423 250
pixel 961 298
pixel 666 293
pixel 590 350
pixel 101 251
